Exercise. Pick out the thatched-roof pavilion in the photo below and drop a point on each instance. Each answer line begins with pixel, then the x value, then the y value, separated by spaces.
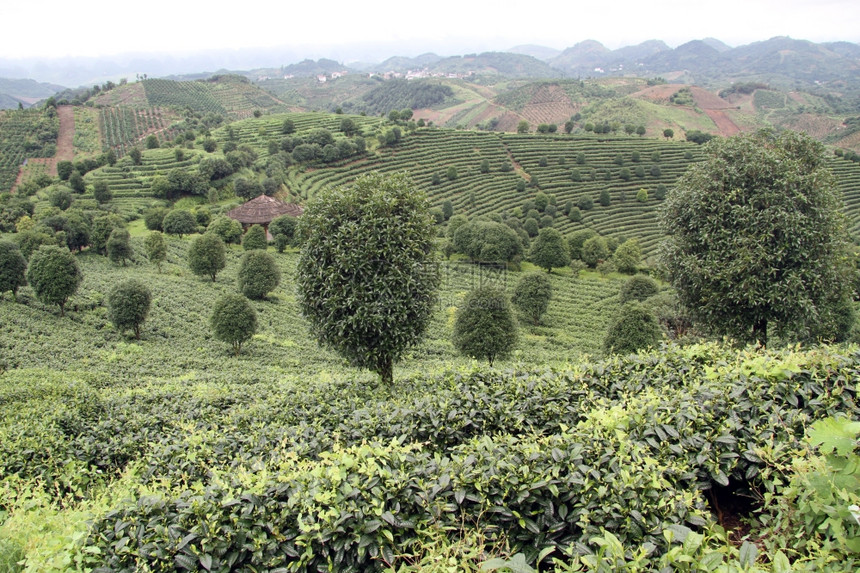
pixel 262 210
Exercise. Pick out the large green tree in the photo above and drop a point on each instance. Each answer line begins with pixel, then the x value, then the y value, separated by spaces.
pixel 367 275
pixel 485 326
pixel 13 268
pixel 207 255
pixel 258 274
pixel 54 275
pixel 756 240
pixel 233 320
pixel 549 250
pixel 128 305
pixel 532 295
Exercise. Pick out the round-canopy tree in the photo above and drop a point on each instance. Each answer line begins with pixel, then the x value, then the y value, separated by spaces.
pixel 228 229
pixel 627 256
pixel 179 222
pixel 119 245
pixel 532 295
pixel 639 288
pixel 550 250
pixel 634 329
pixel 128 306
pixel 54 275
pixel 756 240
pixel 156 248
pixel 207 255
pixel 255 239
pixel 367 276
pixel 485 326
pixel 258 274
pixel 283 230
pixel 13 268
pixel 487 241
pixel 234 320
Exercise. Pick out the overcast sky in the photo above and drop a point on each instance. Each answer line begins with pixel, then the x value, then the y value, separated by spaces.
pixel 54 28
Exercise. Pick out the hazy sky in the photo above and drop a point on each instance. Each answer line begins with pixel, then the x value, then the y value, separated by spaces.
pixel 55 28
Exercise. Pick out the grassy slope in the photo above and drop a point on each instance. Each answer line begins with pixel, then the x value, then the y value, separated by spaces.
pixel 177 343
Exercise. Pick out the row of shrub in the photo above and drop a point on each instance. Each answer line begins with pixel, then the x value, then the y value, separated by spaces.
pixel 310 475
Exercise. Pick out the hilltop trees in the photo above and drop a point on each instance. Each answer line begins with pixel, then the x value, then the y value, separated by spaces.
pixel 54 275
pixel 367 277
pixel 756 240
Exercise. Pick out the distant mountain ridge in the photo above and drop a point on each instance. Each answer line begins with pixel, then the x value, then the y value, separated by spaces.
pixel 24 92
pixel 779 61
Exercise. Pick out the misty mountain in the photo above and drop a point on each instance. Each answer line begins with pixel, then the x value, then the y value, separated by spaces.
pixel 25 92
pixel 403 64
pixel 780 60
pixel 538 52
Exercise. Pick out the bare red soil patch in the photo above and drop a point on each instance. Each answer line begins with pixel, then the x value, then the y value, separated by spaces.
pixel 724 123
pixel 65 145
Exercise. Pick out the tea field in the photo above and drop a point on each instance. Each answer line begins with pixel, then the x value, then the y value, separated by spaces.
pixel 170 453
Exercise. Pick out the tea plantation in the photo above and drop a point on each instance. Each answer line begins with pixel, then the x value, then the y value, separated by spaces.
pixel 169 453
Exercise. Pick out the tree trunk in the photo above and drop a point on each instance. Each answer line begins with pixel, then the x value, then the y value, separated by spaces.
pixel 760 332
pixel 386 372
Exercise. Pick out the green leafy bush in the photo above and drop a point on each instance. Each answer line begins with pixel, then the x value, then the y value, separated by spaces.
pixel 258 274
pixel 207 255
pixel 54 275
pixel 255 239
pixel 635 329
pixel 233 320
pixel 485 326
pixel 128 306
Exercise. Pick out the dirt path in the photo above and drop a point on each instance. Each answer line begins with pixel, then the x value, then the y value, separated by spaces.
pixel 65 145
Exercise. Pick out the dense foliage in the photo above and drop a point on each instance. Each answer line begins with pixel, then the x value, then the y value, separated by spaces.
pixel 207 255
pixel 634 329
pixel 258 274
pixel 233 320
pixel 363 475
pixel 128 305
pixel 485 326
pixel 367 275
pixel 532 296
pixel 54 275
pixel 403 94
pixel 255 239
pixel 757 242
pixel 13 268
